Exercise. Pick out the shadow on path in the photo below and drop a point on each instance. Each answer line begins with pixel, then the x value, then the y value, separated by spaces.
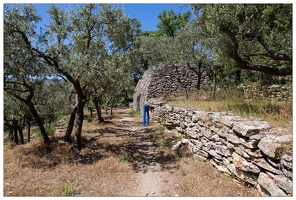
pixel 128 137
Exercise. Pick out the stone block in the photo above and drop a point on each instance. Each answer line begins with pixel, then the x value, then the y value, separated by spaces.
pixel 261 162
pixel 206 132
pixel 243 175
pixel 287 161
pixel 249 128
pixel 268 184
pixel 193 134
pixel 221 168
pixel 239 150
pixel 243 164
pixel 228 120
pixel 222 150
pixel 269 147
pixel 215 154
pixel 284 183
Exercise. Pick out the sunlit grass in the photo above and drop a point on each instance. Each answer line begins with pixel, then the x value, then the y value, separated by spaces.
pixel 278 113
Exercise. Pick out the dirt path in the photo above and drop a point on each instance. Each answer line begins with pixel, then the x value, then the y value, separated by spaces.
pixel 119 157
pixel 148 157
pixel 159 171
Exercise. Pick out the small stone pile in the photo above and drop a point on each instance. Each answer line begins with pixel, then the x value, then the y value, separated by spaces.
pixel 245 148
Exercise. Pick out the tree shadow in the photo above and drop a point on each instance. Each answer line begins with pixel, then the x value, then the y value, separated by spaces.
pixel 139 145
pixel 104 142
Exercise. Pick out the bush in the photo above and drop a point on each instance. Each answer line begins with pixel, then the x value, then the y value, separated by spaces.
pixel 126 158
pixel 134 113
pixel 49 130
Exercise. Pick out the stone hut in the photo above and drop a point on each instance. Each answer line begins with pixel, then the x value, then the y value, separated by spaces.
pixel 155 84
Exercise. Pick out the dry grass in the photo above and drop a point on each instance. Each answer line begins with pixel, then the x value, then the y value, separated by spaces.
pixel 277 113
pixel 103 167
pixel 198 178
pixel 28 173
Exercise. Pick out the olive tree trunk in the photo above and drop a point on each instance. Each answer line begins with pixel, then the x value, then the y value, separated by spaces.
pixel 67 136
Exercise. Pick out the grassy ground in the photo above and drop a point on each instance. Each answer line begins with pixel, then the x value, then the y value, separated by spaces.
pixel 276 112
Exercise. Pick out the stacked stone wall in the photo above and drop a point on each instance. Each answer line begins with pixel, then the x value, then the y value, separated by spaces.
pixel 184 83
pixel 168 84
pixel 245 148
pixel 273 92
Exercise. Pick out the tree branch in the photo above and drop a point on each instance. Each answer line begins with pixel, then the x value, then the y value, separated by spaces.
pixel 15 90
pixel 16 96
pixel 270 51
pixel 246 65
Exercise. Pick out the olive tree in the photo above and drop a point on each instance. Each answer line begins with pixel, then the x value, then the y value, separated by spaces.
pixel 23 70
pixel 259 36
pixel 72 47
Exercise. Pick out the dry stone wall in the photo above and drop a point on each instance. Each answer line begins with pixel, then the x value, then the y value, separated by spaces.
pixel 154 84
pixel 244 148
pixel 278 92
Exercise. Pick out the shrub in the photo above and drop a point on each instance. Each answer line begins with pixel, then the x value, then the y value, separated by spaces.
pixel 65 190
pixel 126 158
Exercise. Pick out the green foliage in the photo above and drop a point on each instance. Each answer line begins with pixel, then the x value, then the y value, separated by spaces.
pixel 252 34
pixel 50 130
pixel 88 47
pixel 65 190
pixel 134 113
pixel 126 158
pixel 171 22
pixel 97 51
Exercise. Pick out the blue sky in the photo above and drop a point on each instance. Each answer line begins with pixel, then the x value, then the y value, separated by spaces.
pixel 146 13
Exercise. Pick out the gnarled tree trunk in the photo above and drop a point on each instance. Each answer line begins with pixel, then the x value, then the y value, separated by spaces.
pixel 97 102
pixel 67 136
pixel 78 126
pixel 34 112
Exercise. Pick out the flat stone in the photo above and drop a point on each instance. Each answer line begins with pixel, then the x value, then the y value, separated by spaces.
pixel 284 183
pixel 215 154
pixel 243 175
pixel 287 161
pixel 220 167
pixel 206 132
pixel 192 134
pixel 229 119
pixel 269 146
pixel 269 184
pixel 254 153
pixel 222 150
pixel 223 132
pixel 249 128
pixel 261 162
pixel 243 164
pixel 201 116
pixel 251 144
pixel 239 150
pixel 233 138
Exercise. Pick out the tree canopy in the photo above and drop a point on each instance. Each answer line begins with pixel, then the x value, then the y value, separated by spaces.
pixel 259 36
pixel 76 46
